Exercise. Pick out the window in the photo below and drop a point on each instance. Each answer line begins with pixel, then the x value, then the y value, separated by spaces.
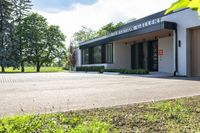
pixel 109 53
pixel 85 56
pixel 97 56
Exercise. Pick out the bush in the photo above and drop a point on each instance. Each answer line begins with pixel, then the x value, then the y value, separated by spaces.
pixel 91 69
pixel 127 71
pixel 101 69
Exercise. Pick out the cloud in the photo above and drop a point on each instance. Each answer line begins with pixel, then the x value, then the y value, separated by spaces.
pixel 101 13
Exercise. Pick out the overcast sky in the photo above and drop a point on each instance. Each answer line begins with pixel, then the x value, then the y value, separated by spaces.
pixel 71 15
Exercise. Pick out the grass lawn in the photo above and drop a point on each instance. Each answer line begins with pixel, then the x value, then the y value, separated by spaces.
pixel 33 69
pixel 182 115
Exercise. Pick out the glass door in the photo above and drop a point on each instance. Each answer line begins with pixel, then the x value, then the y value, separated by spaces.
pixel 153 55
pixel 137 56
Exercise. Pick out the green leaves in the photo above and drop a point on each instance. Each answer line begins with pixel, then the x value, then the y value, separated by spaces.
pixel 83 34
pixel 193 4
pixel 41 43
pixel 86 33
pixel 8 46
pixel 109 28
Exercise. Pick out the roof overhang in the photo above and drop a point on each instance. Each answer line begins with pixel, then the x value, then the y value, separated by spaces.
pixel 158 25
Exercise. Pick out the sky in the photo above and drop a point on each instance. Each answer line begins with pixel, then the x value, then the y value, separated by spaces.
pixel 71 15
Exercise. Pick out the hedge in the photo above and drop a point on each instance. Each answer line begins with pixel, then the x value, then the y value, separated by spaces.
pixel 102 69
pixel 91 69
pixel 127 71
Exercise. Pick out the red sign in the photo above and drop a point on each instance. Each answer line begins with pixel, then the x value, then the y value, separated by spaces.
pixel 161 52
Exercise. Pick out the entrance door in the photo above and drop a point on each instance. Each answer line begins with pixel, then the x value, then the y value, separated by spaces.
pixel 195 52
pixel 153 55
pixel 137 56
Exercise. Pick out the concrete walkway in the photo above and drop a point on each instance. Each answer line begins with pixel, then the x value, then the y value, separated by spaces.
pixel 55 92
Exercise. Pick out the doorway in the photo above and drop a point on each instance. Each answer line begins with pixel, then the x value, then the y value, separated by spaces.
pixel 137 56
pixel 153 55
pixel 195 52
pixel 138 52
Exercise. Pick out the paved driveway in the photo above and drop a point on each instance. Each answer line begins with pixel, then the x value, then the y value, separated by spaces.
pixel 45 92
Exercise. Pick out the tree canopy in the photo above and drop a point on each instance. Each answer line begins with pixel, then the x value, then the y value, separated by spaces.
pixel 27 38
pixel 84 34
pixel 193 4
pixel 87 33
pixel 8 46
pixel 43 43
pixel 21 10
pixel 110 27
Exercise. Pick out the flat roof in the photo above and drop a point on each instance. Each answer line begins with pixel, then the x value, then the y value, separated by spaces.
pixel 144 25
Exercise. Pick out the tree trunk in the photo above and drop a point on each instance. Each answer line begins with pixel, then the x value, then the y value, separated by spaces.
pixel 38 67
pixel 2 69
pixel 22 66
pixel 20 43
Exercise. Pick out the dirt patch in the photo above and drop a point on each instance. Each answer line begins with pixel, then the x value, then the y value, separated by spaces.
pixel 181 115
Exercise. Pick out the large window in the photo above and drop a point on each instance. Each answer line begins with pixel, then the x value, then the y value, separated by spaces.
pixel 85 56
pixel 109 53
pixel 97 56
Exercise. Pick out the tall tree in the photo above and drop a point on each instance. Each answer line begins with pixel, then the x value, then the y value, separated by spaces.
pixel 21 10
pixel 8 47
pixel 43 43
pixel 84 34
pixel 87 33
pixel 110 27
pixel 56 47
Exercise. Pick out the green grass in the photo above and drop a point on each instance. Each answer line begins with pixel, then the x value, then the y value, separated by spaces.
pixel 171 116
pixel 53 123
pixel 33 69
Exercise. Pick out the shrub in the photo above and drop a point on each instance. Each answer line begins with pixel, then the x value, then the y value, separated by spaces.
pixel 127 71
pixel 101 69
pixel 91 69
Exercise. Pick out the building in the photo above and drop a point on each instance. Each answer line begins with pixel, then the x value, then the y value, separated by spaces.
pixel 164 43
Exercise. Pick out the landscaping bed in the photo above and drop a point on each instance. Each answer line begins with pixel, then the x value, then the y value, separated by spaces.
pixel 181 115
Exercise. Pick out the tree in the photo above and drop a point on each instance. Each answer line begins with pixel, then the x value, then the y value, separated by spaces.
pixel 105 30
pixel 21 10
pixel 8 47
pixel 193 4
pixel 43 43
pixel 71 56
pixel 86 33
pixel 56 47
pixel 83 35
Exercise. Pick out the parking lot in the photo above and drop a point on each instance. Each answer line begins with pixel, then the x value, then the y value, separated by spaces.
pixel 59 92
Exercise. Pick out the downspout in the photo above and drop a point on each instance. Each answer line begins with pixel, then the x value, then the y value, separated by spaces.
pixel 176 52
